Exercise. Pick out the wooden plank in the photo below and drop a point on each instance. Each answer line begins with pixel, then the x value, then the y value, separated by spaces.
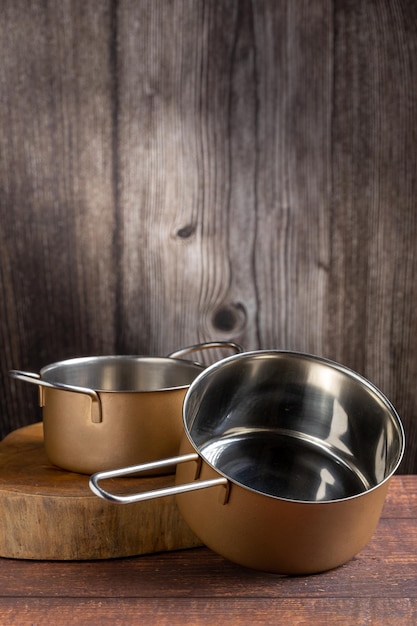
pixel 371 317
pixel 175 156
pixel 234 212
pixel 198 611
pixel 57 255
pixel 292 139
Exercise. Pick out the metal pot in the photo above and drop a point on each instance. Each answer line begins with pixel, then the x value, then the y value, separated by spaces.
pixel 285 461
pixel 100 412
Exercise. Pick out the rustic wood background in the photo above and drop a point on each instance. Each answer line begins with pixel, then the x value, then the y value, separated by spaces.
pixel 174 171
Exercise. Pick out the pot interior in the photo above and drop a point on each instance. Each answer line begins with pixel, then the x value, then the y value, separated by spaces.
pixel 123 373
pixel 293 426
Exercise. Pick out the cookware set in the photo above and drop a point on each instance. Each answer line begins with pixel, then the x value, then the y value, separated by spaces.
pixel 282 459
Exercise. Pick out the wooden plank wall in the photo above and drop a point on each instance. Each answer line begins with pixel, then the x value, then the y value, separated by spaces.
pixel 174 171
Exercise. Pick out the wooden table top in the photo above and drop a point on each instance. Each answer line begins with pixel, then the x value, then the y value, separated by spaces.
pixel 197 586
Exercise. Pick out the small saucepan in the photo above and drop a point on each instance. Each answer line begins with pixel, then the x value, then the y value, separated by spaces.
pixel 285 461
pixel 103 411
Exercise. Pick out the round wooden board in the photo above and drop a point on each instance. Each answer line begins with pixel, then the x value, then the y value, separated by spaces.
pixel 49 513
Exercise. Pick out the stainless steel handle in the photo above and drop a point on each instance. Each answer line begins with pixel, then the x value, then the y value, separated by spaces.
pixel 205 346
pixel 155 493
pixel 31 377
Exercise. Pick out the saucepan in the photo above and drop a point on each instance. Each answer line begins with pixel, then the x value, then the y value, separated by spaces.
pixel 103 411
pixel 285 461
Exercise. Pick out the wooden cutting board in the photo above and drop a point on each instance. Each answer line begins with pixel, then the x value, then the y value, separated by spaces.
pixel 49 513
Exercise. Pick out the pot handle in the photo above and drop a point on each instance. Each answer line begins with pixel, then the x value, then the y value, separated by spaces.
pixel 205 346
pixel 155 493
pixel 31 377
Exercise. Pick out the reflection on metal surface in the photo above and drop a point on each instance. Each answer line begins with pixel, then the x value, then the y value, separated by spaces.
pixel 326 479
pixel 285 464
pixel 339 427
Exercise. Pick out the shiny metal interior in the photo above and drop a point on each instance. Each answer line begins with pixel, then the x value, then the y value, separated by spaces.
pixel 294 426
pixel 123 373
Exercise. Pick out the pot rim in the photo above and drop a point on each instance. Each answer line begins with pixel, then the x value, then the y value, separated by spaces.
pixel 311 357
pixel 114 358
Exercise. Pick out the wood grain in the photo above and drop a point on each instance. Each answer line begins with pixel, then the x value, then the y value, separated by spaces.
pixel 51 514
pixel 173 172
pixel 57 206
pixel 169 611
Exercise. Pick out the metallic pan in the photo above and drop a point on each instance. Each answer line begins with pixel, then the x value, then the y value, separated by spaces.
pixel 285 461
pixel 104 411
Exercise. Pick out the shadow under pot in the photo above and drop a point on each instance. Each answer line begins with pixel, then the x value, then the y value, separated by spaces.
pixel 285 461
pixel 104 411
